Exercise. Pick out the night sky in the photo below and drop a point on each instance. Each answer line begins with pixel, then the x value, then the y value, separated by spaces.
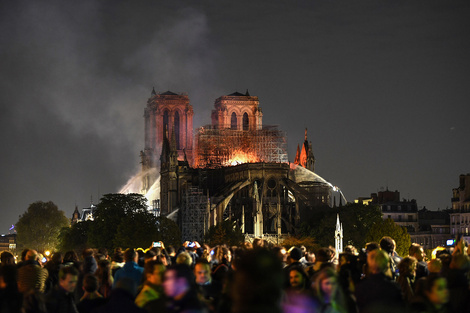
pixel 382 86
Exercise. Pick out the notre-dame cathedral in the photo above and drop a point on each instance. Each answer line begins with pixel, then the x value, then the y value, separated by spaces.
pixel 235 169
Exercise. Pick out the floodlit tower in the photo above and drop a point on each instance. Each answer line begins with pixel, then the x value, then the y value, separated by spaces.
pixel 167 111
pixel 338 235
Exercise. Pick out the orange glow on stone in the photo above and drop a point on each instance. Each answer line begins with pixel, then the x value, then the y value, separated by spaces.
pixel 240 157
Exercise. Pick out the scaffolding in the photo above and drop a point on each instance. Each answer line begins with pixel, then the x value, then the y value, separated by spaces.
pixel 194 214
pixel 226 147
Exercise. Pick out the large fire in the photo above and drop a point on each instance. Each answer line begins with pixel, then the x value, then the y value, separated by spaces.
pixel 239 157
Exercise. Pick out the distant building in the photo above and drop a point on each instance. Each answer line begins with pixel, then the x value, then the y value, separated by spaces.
pixel 85 215
pixel 427 228
pixel 433 229
pixel 460 213
pixel 8 243
pixel 403 213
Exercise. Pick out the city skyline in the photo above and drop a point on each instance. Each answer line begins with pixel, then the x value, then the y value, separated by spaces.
pixel 381 87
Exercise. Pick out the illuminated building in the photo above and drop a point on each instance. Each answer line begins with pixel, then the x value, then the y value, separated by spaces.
pixel 460 214
pixel 238 169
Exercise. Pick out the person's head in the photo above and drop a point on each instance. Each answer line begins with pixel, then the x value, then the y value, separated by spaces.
pixel 88 252
pixel 435 289
pixel 90 283
pixel 150 255
pixel 387 244
pixel 378 261
pixel 202 271
pixel 350 249
pixel 23 254
pixel 417 252
pixel 70 256
pixel 153 272
pixel 7 258
pixel 324 255
pixel 257 281
pixel 130 255
pixel 326 283
pixel 118 256
pixel 460 262
pixel 184 258
pixel 68 277
pixel 370 246
pixel 298 279
pixel 295 254
pixel 435 266
pixel 31 255
pixel 177 280
pixel 407 266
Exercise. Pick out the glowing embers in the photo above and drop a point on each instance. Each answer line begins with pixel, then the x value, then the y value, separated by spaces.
pixel 240 156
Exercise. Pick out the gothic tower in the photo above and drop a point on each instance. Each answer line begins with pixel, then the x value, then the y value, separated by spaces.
pixel 170 112
pixel 237 111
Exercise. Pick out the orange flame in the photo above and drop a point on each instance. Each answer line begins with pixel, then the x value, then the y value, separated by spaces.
pixel 239 157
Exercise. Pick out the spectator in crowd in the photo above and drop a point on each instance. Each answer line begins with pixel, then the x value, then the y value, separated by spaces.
pixel 184 258
pixel 31 276
pixel 406 279
pixel 209 289
pixel 151 296
pixel 91 297
pixel 298 280
pixel 130 269
pixel 388 245
pixel 71 259
pixel 179 287
pixel 122 298
pixel 328 293
pixel 294 254
pixel 435 296
pixel 53 267
pixel 117 261
pixel 257 282
pixel 61 298
pixel 378 292
pixel 221 259
pixel 7 258
pixel 417 252
pixel 323 258
pixel 105 278
pixel 10 297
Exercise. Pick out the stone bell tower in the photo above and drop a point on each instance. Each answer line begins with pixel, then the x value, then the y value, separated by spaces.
pixel 165 112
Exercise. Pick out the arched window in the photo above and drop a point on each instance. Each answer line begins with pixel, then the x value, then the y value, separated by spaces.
pixel 233 122
pixel 177 129
pixel 246 124
pixel 165 123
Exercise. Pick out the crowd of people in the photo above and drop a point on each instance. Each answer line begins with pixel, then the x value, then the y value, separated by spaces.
pixel 255 277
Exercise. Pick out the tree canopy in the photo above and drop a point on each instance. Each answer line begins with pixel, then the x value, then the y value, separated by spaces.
pixel 39 227
pixel 75 237
pixel 112 211
pixel 122 220
pixel 224 233
pixel 357 219
pixel 389 228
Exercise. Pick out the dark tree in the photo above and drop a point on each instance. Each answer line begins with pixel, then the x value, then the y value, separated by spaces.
pixel 137 230
pixel 225 233
pixel 389 228
pixel 39 227
pixel 170 233
pixel 108 215
pixel 75 237
pixel 357 219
